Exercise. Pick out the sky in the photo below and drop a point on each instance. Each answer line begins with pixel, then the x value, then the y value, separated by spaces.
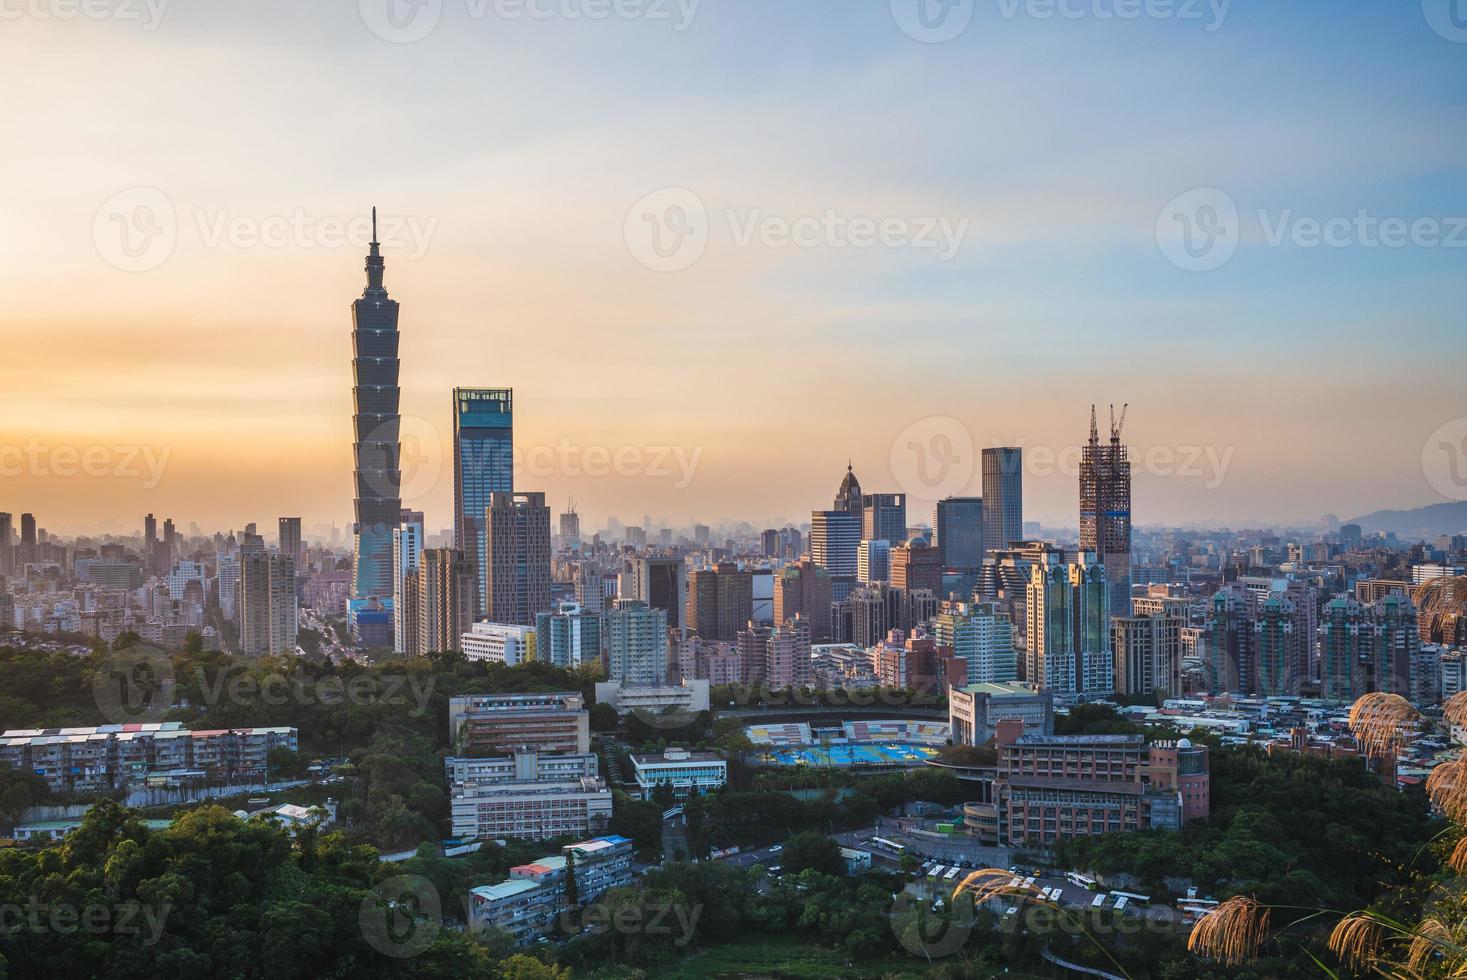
pixel 719 249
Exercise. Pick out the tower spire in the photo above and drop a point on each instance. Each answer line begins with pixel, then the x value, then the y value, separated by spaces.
pixel 375 263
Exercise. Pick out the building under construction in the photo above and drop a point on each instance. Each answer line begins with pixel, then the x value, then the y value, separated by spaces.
pixel 1105 508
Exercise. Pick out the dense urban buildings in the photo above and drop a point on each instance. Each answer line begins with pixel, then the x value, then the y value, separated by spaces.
pixel 111 757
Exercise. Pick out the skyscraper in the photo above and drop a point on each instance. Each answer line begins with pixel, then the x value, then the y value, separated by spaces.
pixel 884 517
pixel 1003 498
pixel 720 601
pixel 407 554
pixel 376 427
pixel 1230 643
pixel 445 588
pixel 1069 630
pixel 662 583
pixel 290 539
pixel 983 636
pixel 848 497
pixel 516 569
pixel 835 535
pixel 570 527
pixel 958 524
pixel 1105 509
pixel 916 565
pixel 873 562
pixel 804 590
pixel 267 611
pixel 483 465
pixel 636 643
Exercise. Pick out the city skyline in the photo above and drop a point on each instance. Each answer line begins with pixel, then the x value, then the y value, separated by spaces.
pixel 513 257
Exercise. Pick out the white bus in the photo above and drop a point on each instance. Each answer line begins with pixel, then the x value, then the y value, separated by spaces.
pixel 1099 902
pixel 951 874
pixel 1121 904
pixel 890 845
pixel 1138 899
pixel 1075 878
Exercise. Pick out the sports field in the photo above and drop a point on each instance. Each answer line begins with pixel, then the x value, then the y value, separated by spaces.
pixel 872 754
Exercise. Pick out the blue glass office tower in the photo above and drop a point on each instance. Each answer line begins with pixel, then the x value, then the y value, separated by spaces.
pixel 377 452
pixel 483 464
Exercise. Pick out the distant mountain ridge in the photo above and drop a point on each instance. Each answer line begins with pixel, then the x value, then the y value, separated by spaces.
pixel 1425 522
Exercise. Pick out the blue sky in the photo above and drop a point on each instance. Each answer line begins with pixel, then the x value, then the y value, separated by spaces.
pixel 526 143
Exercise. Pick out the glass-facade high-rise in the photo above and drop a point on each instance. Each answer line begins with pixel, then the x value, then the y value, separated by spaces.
pixel 483 465
pixel 376 423
pixel 1003 498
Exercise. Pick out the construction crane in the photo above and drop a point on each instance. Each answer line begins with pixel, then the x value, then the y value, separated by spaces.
pixel 1116 425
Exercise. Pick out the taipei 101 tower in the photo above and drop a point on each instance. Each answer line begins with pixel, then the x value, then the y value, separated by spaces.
pixel 376 427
